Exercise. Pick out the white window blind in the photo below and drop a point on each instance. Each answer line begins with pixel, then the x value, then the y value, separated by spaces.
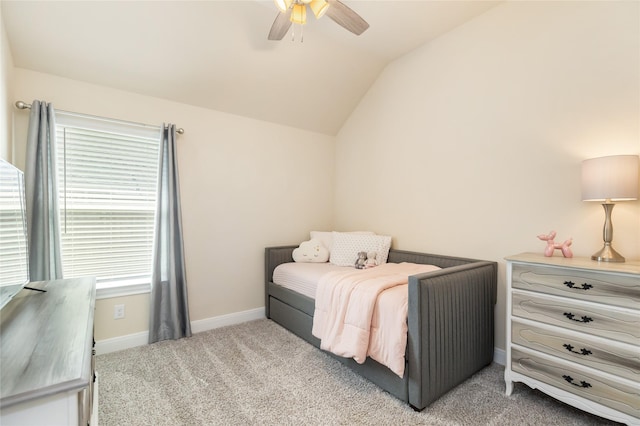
pixel 13 227
pixel 107 194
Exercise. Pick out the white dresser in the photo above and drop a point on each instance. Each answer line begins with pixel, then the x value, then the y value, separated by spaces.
pixel 573 332
pixel 46 355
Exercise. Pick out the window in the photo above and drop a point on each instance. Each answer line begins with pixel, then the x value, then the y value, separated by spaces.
pixel 107 183
pixel 14 269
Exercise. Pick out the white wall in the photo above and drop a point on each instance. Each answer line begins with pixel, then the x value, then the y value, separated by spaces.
pixel 6 70
pixel 245 185
pixel 471 145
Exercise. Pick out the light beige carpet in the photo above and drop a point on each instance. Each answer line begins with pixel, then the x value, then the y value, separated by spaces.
pixel 257 373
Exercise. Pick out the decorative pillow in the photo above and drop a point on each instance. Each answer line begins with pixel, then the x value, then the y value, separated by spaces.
pixel 345 248
pixel 326 237
pixel 311 251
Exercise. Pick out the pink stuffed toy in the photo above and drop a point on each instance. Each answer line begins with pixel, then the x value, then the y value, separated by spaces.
pixel 371 260
pixel 552 245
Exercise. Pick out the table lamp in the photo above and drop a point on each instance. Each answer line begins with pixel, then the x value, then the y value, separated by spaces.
pixel 608 179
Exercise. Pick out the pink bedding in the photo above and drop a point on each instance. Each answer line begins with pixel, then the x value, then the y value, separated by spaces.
pixel 363 312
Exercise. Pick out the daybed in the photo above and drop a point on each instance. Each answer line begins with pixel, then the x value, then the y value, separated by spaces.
pixel 450 323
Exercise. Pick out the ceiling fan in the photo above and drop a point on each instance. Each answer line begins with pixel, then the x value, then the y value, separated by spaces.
pixel 295 12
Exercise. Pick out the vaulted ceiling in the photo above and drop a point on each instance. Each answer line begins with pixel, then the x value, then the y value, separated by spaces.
pixel 215 54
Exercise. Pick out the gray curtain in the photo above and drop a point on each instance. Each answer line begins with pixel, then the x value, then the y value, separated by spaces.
pixel 169 310
pixel 43 220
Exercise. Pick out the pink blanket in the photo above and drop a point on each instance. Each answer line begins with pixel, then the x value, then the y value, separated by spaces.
pixel 363 312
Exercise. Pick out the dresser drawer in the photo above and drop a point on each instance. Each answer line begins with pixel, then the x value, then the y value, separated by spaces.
pixel 609 322
pixel 619 290
pixel 578 381
pixel 621 360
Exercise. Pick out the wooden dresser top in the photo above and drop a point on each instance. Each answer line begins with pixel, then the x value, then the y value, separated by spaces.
pixel 630 266
pixel 46 340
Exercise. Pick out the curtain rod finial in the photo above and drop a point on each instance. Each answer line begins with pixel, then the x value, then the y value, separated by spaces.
pixel 22 105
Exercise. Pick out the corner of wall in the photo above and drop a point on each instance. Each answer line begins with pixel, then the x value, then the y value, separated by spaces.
pixel 6 80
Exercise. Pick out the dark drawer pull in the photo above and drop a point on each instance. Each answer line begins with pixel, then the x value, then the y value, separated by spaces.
pixel 572 317
pixel 584 286
pixel 582 383
pixel 583 351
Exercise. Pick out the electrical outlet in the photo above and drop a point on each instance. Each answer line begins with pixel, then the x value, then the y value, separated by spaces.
pixel 118 311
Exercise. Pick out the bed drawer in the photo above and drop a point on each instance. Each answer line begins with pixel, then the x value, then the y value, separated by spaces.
pixel 621 360
pixel 298 322
pixel 619 290
pixel 605 321
pixel 290 297
pixel 578 381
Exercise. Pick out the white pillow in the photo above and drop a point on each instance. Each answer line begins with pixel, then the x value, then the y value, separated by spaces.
pixel 345 248
pixel 311 251
pixel 326 237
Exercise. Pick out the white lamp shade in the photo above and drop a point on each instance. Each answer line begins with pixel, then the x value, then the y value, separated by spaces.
pixel 283 5
pixel 319 7
pixel 299 14
pixel 612 178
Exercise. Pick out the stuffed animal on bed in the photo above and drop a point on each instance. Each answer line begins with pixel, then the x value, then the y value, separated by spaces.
pixel 362 259
pixel 371 260
pixel 311 251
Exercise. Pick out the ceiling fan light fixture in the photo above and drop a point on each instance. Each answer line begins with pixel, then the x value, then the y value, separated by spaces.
pixel 319 7
pixel 296 13
pixel 283 5
pixel 299 14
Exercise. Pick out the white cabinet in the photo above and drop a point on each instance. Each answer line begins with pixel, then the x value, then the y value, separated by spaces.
pixel 573 332
pixel 47 356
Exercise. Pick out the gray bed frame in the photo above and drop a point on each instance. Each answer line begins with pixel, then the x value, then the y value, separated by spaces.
pixel 450 323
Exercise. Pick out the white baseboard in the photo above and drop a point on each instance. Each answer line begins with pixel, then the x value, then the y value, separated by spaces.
pixel 140 339
pixel 119 343
pixel 225 320
pixel 499 356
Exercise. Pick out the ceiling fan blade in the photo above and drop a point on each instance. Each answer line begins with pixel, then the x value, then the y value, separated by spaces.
pixel 346 17
pixel 280 26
